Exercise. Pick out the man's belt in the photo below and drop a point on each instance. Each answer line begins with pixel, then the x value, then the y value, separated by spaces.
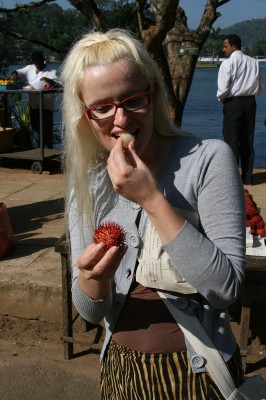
pixel 238 98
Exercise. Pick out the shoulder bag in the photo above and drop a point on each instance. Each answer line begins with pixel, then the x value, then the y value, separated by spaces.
pixel 252 388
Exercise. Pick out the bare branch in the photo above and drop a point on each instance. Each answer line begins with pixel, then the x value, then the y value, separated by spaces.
pixel 24 6
pixel 23 38
pixel 91 11
pixel 209 16
pixel 165 16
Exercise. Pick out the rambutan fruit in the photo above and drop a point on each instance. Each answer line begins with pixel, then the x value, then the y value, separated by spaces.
pixel 253 231
pixel 261 232
pixel 110 234
pixel 251 211
pixel 256 218
pixel 250 224
pixel 260 224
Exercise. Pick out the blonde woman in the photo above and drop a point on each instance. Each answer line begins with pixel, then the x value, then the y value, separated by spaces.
pixel 180 202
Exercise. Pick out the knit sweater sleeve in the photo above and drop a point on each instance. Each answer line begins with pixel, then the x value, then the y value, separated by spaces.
pixel 212 260
pixel 80 237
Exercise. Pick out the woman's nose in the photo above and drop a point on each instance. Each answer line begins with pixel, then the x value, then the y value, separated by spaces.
pixel 121 117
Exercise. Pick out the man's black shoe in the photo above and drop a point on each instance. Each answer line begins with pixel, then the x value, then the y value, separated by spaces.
pixel 248 181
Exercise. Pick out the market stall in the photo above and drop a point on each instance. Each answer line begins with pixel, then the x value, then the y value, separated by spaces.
pixel 8 150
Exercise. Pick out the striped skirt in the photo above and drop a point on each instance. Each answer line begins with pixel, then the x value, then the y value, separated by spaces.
pixel 133 375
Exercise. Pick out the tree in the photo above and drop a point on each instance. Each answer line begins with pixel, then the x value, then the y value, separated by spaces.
pixel 162 25
pixel 212 47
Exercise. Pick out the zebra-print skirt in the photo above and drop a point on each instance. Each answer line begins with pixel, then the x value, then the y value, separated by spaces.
pixel 133 375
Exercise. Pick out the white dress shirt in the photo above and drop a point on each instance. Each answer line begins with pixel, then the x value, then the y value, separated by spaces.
pixel 239 75
pixel 29 75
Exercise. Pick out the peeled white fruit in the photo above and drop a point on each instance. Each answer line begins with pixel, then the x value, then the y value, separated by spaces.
pixel 126 138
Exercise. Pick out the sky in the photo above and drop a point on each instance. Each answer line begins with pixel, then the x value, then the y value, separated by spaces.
pixel 233 12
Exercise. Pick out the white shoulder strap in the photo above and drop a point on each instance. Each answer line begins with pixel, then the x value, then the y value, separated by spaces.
pixel 202 344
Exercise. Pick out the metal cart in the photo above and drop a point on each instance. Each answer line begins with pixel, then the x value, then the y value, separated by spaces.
pixel 39 155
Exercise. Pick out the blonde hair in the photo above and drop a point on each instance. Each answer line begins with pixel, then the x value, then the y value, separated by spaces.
pixel 81 149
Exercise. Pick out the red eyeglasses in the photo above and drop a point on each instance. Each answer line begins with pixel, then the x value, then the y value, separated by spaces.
pixel 107 110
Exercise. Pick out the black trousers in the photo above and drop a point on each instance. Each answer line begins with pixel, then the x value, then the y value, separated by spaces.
pixel 238 131
pixel 47 127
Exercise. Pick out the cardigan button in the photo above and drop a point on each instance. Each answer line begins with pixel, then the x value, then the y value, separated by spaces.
pixel 181 303
pixel 198 361
pixel 134 240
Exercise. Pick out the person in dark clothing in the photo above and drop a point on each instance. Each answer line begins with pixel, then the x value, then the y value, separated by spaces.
pixel 239 81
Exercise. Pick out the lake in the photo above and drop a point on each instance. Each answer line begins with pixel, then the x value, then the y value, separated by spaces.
pixel 203 112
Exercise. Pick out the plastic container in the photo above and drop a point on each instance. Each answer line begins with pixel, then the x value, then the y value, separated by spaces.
pixel 12 86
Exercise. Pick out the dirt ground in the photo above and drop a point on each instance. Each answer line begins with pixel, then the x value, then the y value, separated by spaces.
pixel 34 338
pixel 24 339
pixel 256 358
pixel 32 364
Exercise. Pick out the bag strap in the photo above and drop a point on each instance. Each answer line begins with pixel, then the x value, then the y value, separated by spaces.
pixel 202 344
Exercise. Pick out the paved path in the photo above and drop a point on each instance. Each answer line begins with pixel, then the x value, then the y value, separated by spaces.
pixel 30 276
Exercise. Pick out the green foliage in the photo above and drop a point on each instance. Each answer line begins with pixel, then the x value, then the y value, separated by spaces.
pixel 21 124
pixel 122 16
pixel 60 28
pixel 252 33
pixel 49 24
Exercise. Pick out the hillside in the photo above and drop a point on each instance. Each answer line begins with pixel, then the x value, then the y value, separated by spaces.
pixel 251 31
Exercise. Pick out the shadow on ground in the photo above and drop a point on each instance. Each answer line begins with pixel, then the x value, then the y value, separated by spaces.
pixel 32 224
pixel 259 177
pixel 52 165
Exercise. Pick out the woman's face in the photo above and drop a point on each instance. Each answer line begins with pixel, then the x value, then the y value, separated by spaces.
pixel 111 84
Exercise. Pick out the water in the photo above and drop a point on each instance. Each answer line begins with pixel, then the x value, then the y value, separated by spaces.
pixel 203 112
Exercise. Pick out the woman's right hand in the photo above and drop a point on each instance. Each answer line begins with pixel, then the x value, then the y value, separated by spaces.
pixel 97 268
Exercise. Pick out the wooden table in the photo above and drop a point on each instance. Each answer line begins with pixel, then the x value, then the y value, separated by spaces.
pixel 253 264
pixel 69 315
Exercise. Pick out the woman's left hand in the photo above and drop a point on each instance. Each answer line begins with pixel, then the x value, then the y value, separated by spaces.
pixel 129 175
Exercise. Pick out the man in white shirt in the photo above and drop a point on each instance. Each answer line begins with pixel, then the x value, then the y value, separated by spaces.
pixel 37 75
pixel 239 81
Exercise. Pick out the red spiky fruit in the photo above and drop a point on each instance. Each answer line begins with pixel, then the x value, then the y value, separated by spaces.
pixel 110 234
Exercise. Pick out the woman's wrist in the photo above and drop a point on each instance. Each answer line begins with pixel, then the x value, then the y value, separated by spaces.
pixel 93 288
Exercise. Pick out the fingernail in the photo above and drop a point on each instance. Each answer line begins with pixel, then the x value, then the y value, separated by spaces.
pixel 99 246
pixel 113 250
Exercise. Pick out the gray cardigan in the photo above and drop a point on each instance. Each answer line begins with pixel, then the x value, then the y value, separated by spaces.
pixel 200 176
